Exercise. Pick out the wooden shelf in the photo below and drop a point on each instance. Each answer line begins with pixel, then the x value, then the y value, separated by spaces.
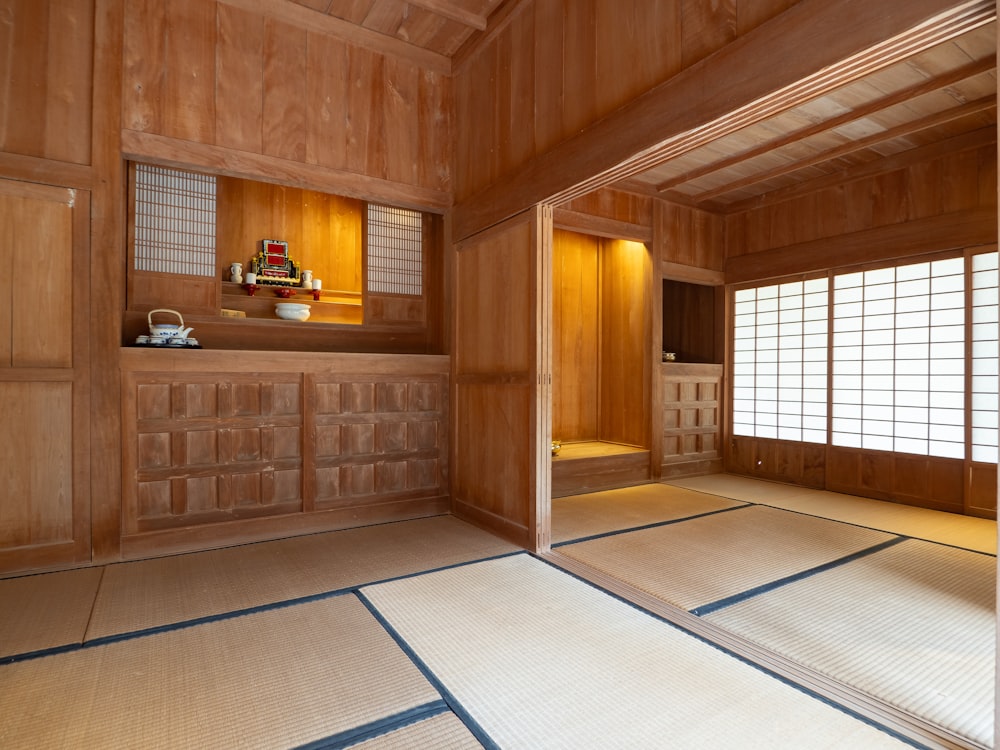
pixel 332 306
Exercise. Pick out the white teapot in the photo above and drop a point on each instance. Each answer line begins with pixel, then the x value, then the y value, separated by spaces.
pixel 167 331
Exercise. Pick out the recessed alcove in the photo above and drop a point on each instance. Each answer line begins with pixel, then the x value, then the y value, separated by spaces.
pixel 601 324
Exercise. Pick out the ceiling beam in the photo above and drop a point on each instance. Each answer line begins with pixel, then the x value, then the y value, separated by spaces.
pixel 903 160
pixel 915 126
pixel 820 46
pixel 304 18
pixel 453 13
pixel 924 87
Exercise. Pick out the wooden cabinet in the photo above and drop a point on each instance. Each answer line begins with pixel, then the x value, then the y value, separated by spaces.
pixel 228 447
pixel 692 399
pixel 44 377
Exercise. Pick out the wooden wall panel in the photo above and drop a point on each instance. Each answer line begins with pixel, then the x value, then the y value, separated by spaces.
pixel 626 327
pixel 44 377
pixel 923 193
pixel 36 468
pixel 263 81
pixel 284 92
pixel 779 460
pixel 575 336
pixel 45 73
pixel 685 236
pixel 239 71
pixel 501 375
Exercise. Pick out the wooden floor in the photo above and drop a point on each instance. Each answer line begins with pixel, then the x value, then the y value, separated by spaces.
pixel 110 617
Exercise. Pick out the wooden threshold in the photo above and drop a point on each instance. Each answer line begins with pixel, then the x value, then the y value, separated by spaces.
pixel 867 708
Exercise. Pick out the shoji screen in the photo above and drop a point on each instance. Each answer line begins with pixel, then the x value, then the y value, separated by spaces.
pixel 899 359
pixel 780 361
pixel 984 400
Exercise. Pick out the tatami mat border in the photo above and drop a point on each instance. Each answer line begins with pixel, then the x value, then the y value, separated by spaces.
pixel 118 637
pixel 776 584
pixel 566 564
pixel 449 698
pixel 655 525
pixel 825 518
pixel 378 728
pixel 751 504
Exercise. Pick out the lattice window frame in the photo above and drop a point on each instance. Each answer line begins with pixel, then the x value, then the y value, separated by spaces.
pixel 395 250
pixel 174 221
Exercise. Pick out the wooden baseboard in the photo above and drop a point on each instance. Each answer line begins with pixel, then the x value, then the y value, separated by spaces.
pixel 210 536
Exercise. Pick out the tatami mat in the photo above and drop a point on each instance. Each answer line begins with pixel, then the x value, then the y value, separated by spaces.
pixel 912 625
pixel 45 611
pixel 702 560
pixel 581 516
pixel 542 660
pixel 442 732
pixel 279 678
pixel 977 534
pixel 149 593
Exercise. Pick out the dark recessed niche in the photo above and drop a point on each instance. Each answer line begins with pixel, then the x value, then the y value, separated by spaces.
pixel 692 315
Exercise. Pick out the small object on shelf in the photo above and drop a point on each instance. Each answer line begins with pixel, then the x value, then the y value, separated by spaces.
pixel 307 279
pixel 292 311
pixel 251 289
pixel 669 356
pixel 273 266
pixel 251 278
pixel 284 293
pixel 556 447
pixel 167 331
pixel 236 273
pixel 317 286
pixel 227 313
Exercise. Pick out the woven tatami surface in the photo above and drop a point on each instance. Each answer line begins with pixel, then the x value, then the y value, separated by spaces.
pixel 442 732
pixel 540 659
pixel 912 625
pixel 28 606
pixel 279 678
pixel 629 507
pixel 149 593
pixel 702 560
pixel 977 534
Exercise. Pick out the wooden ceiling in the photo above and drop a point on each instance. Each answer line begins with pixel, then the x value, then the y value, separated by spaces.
pixel 944 92
pixel 440 26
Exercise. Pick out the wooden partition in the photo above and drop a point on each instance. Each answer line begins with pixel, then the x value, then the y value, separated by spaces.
pixel 229 447
pixel 502 381
pixel 44 377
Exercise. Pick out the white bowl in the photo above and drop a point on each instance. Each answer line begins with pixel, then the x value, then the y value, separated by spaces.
pixel 292 311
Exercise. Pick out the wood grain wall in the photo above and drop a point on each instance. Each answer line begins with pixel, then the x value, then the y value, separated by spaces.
pixel 575 336
pixel 272 81
pixel 929 199
pixel 46 72
pixel 558 66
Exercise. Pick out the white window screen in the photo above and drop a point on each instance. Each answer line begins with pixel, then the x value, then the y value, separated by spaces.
pixel 899 359
pixel 984 358
pixel 174 221
pixel 395 250
pixel 780 361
